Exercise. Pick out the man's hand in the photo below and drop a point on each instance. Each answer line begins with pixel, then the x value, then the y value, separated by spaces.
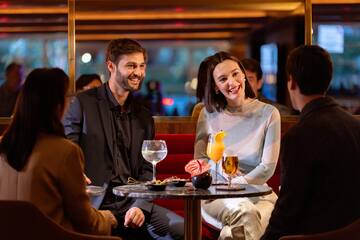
pixel 134 218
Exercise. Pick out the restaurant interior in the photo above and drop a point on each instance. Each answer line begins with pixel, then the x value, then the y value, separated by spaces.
pixel 178 35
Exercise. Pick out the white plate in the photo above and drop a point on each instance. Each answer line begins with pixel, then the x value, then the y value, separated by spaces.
pixel 92 190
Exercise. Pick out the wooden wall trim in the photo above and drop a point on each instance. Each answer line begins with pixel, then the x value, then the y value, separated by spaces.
pixel 188 124
pixel 175 125
pixel 183 124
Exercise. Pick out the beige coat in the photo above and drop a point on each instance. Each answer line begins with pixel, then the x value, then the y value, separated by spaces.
pixel 53 180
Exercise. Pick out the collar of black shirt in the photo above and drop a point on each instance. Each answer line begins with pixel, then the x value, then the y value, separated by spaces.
pixel 114 104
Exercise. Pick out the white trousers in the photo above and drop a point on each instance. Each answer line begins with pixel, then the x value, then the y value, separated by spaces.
pixel 239 218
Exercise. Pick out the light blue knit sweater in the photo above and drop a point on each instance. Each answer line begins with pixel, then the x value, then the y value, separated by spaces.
pixel 253 134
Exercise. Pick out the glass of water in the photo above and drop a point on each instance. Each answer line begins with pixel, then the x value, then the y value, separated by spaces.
pixel 154 151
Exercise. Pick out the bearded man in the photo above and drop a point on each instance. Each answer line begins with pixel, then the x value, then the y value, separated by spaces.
pixel 110 126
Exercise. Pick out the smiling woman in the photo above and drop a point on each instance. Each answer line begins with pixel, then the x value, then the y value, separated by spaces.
pixel 253 136
pixel 230 81
pixel 225 74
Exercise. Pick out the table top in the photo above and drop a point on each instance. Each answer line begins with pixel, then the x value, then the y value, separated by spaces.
pixel 189 192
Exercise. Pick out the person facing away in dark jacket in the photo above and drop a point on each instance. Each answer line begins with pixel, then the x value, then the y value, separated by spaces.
pixel 320 155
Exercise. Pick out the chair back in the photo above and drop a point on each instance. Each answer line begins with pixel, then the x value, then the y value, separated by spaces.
pixel 22 220
pixel 350 232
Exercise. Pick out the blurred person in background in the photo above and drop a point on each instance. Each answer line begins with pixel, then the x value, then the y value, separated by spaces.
pixel 9 90
pixel 254 75
pixel 88 81
pixel 153 98
pixel 38 164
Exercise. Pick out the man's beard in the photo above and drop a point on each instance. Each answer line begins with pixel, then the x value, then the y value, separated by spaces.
pixel 124 81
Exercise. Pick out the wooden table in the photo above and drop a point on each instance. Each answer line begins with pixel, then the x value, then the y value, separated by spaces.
pixel 192 197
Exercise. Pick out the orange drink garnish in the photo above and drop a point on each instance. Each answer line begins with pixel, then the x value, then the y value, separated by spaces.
pixel 215 149
pixel 219 136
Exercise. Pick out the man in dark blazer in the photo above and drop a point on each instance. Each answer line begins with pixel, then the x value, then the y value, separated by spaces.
pixel 110 127
pixel 320 156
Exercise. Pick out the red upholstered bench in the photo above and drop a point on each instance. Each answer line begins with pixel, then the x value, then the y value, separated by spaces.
pixel 180 152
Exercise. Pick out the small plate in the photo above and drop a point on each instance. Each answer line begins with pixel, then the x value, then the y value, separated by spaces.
pixel 92 190
pixel 179 183
pixel 156 187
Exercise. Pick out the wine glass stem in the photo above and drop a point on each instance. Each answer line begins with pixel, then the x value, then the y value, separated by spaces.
pixel 154 172
pixel 216 172
pixel 229 181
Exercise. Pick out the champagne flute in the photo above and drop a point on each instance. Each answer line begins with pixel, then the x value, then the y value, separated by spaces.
pixel 215 150
pixel 154 151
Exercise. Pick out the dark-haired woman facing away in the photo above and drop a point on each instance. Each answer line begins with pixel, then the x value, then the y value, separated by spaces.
pixel 37 163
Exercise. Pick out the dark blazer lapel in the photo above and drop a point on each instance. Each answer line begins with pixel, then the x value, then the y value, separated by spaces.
pixel 105 116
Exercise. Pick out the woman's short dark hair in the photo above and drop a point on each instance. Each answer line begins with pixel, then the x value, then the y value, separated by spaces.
pixel 119 47
pixel 217 101
pixel 38 110
pixel 311 68
pixel 85 79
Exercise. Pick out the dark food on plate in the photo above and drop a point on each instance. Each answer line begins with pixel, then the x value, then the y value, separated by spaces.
pixel 176 182
pixel 158 185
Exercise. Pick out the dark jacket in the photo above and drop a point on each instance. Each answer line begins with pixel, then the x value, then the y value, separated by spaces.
pixel 88 123
pixel 320 172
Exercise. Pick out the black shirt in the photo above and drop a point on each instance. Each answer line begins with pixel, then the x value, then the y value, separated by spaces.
pixel 121 130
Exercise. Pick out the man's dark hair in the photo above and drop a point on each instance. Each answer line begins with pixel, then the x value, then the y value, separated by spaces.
pixel 119 47
pixel 85 79
pixel 37 111
pixel 311 68
pixel 11 66
pixel 217 101
pixel 252 65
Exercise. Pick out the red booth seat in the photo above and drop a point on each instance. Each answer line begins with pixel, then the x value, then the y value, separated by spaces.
pixel 180 152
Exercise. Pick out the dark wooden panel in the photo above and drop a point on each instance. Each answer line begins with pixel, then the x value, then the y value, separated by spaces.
pixel 174 125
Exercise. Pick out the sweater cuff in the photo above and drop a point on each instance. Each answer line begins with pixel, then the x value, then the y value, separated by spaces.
pixel 239 180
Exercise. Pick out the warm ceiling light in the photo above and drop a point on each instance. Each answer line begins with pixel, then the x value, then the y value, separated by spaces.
pixel 86 57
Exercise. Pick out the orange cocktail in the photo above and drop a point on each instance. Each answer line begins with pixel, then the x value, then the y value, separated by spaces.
pixel 215 149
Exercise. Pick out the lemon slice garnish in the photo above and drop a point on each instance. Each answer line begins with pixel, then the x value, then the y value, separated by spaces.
pixel 219 136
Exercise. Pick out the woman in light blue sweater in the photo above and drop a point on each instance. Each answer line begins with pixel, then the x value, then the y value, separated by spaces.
pixel 253 134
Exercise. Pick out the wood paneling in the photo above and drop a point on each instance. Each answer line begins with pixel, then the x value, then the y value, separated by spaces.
pixel 174 125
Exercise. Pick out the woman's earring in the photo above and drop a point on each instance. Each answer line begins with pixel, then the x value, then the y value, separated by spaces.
pixel 217 91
